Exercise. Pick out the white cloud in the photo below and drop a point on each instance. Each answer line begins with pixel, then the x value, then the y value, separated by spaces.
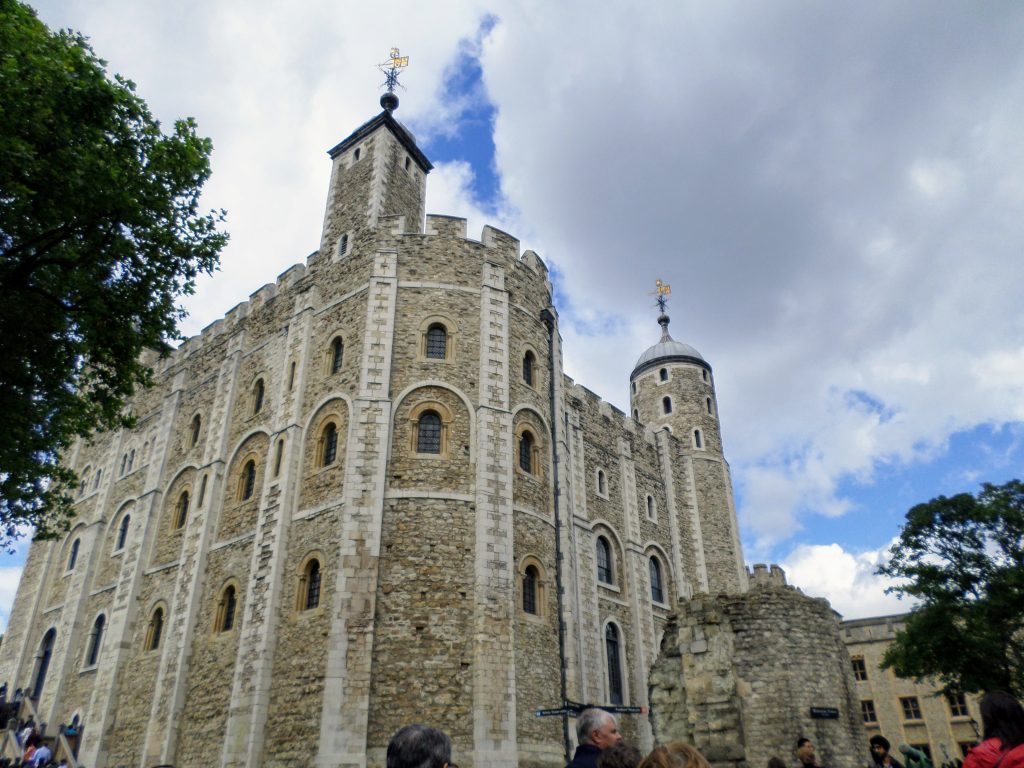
pixel 9 578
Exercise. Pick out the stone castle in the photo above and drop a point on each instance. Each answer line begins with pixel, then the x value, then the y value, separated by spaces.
pixel 371 496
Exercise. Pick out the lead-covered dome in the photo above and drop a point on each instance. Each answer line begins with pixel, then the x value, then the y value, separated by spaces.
pixel 667 350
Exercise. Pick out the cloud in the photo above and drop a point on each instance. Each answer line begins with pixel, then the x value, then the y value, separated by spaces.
pixel 9 578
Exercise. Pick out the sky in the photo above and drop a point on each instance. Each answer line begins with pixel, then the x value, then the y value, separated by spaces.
pixel 833 190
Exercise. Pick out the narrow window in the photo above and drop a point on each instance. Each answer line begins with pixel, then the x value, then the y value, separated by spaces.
pixel 634 387
pixel 636 415
pixel 657 587
pixel 911 708
pixel 197 423
pixel 202 491
pixel 528 362
pixel 604 561
pixel 860 671
pixel 330 442
pixel 73 557
pixel 257 397
pixel 666 405
pixel 96 482
pixel 182 516
pixel 867 711
pixel 95 641
pixel 312 597
pixel 337 353
pixel 663 374
pixel 356 155
pixel 248 480
pixel 650 507
pixel 437 342
pixel 705 375
pixel 156 629
pixel 611 644
pixel 707 402
pixel 602 483
pixel 343 242
pixel 227 609
pixel 122 533
pixel 428 433
pixel 131 459
pixel 698 440
pixel 530 579
pixel 278 456
pixel 526 452
pixel 124 464
pixel 407 162
pixel 291 376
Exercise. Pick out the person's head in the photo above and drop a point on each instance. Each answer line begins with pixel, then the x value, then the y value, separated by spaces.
pixel 619 756
pixel 419 746
pixel 805 751
pixel 675 754
pixel 879 746
pixel 1002 717
pixel 776 762
pixel 597 727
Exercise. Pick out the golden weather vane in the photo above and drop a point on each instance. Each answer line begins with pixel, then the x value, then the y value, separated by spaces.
pixel 661 290
pixel 392 68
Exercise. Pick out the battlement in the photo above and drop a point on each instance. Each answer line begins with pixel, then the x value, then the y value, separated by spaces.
pixel 762 575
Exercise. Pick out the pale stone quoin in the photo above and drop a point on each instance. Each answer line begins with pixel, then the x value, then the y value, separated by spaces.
pixel 341 510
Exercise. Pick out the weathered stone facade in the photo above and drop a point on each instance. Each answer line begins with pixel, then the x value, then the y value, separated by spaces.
pixel 343 506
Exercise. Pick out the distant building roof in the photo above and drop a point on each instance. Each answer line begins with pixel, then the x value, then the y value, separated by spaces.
pixel 403 134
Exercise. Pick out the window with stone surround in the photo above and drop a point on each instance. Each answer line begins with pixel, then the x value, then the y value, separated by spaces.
pixel 666 405
pixel 247 480
pixel 530 579
pixel 92 655
pixel 867 711
pixel 636 415
pixel 613 662
pixel 527 450
pixel 328 444
pixel 437 339
pixel 602 483
pixel 122 533
pixel 605 563
pixel 430 427
pixel 663 374
pixel 342 245
pixel 181 511
pixel 657 583
pixel 707 403
pixel 860 670
pixel 428 433
pixel 957 705
pixel 155 629
pixel 73 555
pixel 258 390
pixel 652 510
pixel 197 425
pixel 335 355
pixel 310 582
pixel 224 620
pixel 529 364
pixel 437 342
pixel 911 708
pixel 532 586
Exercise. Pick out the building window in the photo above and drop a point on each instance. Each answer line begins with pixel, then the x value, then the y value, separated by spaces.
pixel 202 491
pixel 124 464
pixel 530 579
pixel 867 711
pixel 182 511
pixel 343 242
pixel 636 415
pixel 257 396
pixel 96 481
pixel 197 424
pixel 248 481
pixel 428 433
pixel 528 363
pixel 155 629
pixel 226 609
pixel 95 641
pixel 957 705
pixel 437 342
pixel 611 645
pixel 657 587
pixel 707 403
pixel 526 451
pixel 663 374
pixel 704 373
pixel 278 456
pixel 651 512
pixel 698 439
pixel 911 708
pixel 73 556
pixel 666 405
pixel 122 533
pixel 356 154
pixel 633 385
pixel 602 483
pixel 860 671
pixel 330 445
pixel 337 354
pixel 605 574
pixel 311 585
pixel 291 376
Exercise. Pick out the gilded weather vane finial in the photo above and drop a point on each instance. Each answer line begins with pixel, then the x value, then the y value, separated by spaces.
pixel 392 68
pixel 661 290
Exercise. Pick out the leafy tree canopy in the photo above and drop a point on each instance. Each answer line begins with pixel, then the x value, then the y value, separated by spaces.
pixel 963 558
pixel 100 233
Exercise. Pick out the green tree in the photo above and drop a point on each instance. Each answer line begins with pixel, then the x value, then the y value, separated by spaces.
pixel 963 558
pixel 100 234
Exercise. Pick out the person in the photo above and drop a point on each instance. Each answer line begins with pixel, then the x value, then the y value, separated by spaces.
pixel 1002 721
pixel 805 754
pixel 619 755
pixel 915 757
pixel 776 762
pixel 419 746
pixel 596 730
pixel 880 747
pixel 42 756
pixel 675 754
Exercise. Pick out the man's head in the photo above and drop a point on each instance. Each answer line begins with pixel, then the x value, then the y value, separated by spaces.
pixel 418 746
pixel 879 746
pixel 597 727
pixel 805 751
pixel 619 756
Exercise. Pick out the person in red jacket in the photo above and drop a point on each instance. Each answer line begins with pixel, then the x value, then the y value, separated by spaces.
pixel 1002 719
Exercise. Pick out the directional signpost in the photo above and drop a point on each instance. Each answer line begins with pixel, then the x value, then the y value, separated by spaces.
pixel 573 708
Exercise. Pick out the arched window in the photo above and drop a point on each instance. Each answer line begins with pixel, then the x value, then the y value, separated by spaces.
pixel 707 401
pixel 131 459
pixel 311 585
pixel 698 439
pixel 122 533
pixel 666 405
pixel 611 645
pixel 278 456
pixel 530 579
pixel 663 374
pixel 181 511
pixel 528 363
pixel 73 556
pixel 330 445
pixel 428 433
pixel 257 396
pixel 95 641
pixel 124 464
pixel 602 483
pixel 248 480
pixel 605 574
pixel 155 629
pixel 197 424
pixel 43 662
pixel 355 155
pixel 337 354
pixel 650 507
pixel 526 443
pixel 657 585
pixel 226 609
pixel 633 385
pixel 202 491
pixel 704 373
pixel 343 242
pixel 96 482
pixel 291 376
pixel 437 342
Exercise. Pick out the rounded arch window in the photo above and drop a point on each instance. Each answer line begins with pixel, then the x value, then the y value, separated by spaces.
pixel 309 588
pixel 613 656
pixel 226 608
pixel 258 390
pixel 428 433
pixel 527 444
pixel 43 662
pixel 329 442
pixel 197 425
pixel 602 483
pixel 337 354
pixel 529 363
pixel 704 374
pixel 663 374
pixel 247 482
pixel 95 641
pixel 605 569
pixel 666 405
pixel 437 342
pixel 73 554
pixel 155 630
pixel 122 533
pixel 711 410
pixel 651 514
pixel 657 582
pixel 698 439
pixel 531 579
pixel 181 511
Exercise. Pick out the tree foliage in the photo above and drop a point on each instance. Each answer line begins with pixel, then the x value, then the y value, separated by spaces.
pixel 963 558
pixel 100 233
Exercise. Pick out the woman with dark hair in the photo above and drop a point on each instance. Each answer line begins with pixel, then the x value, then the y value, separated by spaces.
pixel 1002 719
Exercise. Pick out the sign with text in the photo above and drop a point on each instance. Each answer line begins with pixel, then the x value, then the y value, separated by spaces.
pixel 824 713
